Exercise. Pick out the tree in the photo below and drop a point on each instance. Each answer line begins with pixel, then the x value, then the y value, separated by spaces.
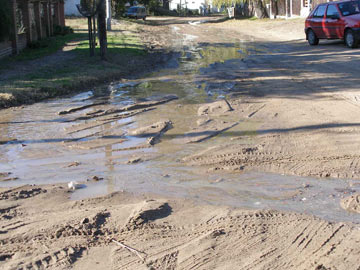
pixel 102 28
pixel 5 19
pixel 89 9
pixel 249 8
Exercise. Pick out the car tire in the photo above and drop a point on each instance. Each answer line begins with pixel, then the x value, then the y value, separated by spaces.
pixel 351 41
pixel 312 38
pixel 144 18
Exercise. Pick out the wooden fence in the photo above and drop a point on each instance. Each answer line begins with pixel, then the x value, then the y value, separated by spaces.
pixel 32 20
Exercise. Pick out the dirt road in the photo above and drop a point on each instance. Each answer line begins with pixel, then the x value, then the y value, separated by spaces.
pixel 241 99
pixel 303 100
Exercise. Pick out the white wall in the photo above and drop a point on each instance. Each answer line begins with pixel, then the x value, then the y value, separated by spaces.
pixel 190 4
pixel 71 9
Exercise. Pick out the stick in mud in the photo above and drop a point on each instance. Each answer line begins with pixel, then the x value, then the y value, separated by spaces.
pixel 130 249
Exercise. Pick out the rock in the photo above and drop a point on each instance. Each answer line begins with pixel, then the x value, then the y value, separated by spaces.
pixel 217 107
pixel 74 185
pixel 73 164
pixel 85 220
pixel 351 203
pixel 134 160
pixel 96 178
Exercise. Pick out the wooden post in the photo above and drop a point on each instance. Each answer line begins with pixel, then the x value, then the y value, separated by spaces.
pixel 14 30
pixel 37 12
pixel 47 18
pixel 27 22
pixel 61 13
pixel 56 13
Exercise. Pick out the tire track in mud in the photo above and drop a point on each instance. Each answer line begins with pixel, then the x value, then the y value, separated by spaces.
pixel 292 154
pixel 214 237
pixel 254 241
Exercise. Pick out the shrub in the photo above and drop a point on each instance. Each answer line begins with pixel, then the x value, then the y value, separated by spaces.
pixel 62 30
pixel 44 43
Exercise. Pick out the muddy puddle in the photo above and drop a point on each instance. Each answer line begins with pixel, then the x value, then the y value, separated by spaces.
pixel 133 135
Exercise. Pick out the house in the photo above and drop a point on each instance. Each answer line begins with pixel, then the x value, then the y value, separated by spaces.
pixel 71 9
pixel 32 20
pixel 292 8
pixel 199 5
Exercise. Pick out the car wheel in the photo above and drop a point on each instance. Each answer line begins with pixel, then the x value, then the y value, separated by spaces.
pixel 351 40
pixel 312 38
pixel 144 18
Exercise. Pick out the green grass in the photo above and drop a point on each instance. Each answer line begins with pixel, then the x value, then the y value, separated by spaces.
pixel 77 70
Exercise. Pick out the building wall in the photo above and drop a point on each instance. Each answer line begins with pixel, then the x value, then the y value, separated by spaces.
pixel 189 4
pixel 70 8
pixel 296 7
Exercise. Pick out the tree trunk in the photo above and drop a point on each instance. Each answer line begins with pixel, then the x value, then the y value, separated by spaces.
pixel 260 9
pixel 102 29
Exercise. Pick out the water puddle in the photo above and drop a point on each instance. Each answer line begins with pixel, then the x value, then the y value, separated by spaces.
pixel 39 146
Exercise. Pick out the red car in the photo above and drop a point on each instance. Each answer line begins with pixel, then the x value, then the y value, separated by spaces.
pixel 334 20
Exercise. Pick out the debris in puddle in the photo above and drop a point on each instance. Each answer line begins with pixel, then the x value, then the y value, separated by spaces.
pixel 154 131
pixel 166 175
pixel 5 177
pixel 71 110
pixel 132 107
pixel 73 164
pixel 306 185
pixel 134 161
pixel 96 178
pixel 74 185
pixel 303 199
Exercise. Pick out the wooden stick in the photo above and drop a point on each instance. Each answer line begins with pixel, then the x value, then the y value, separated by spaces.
pixel 130 249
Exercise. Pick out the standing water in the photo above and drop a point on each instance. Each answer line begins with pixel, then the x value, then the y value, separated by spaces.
pixel 39 146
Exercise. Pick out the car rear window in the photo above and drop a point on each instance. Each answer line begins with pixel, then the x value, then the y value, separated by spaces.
pixel 349 8
pixel 320 11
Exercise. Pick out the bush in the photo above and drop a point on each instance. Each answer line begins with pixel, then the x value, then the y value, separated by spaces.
pixel 159 11
pixel 40 44
pixel 62 30
pixel 5 19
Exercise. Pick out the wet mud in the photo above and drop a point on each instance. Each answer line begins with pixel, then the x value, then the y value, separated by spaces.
pixel 178 132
